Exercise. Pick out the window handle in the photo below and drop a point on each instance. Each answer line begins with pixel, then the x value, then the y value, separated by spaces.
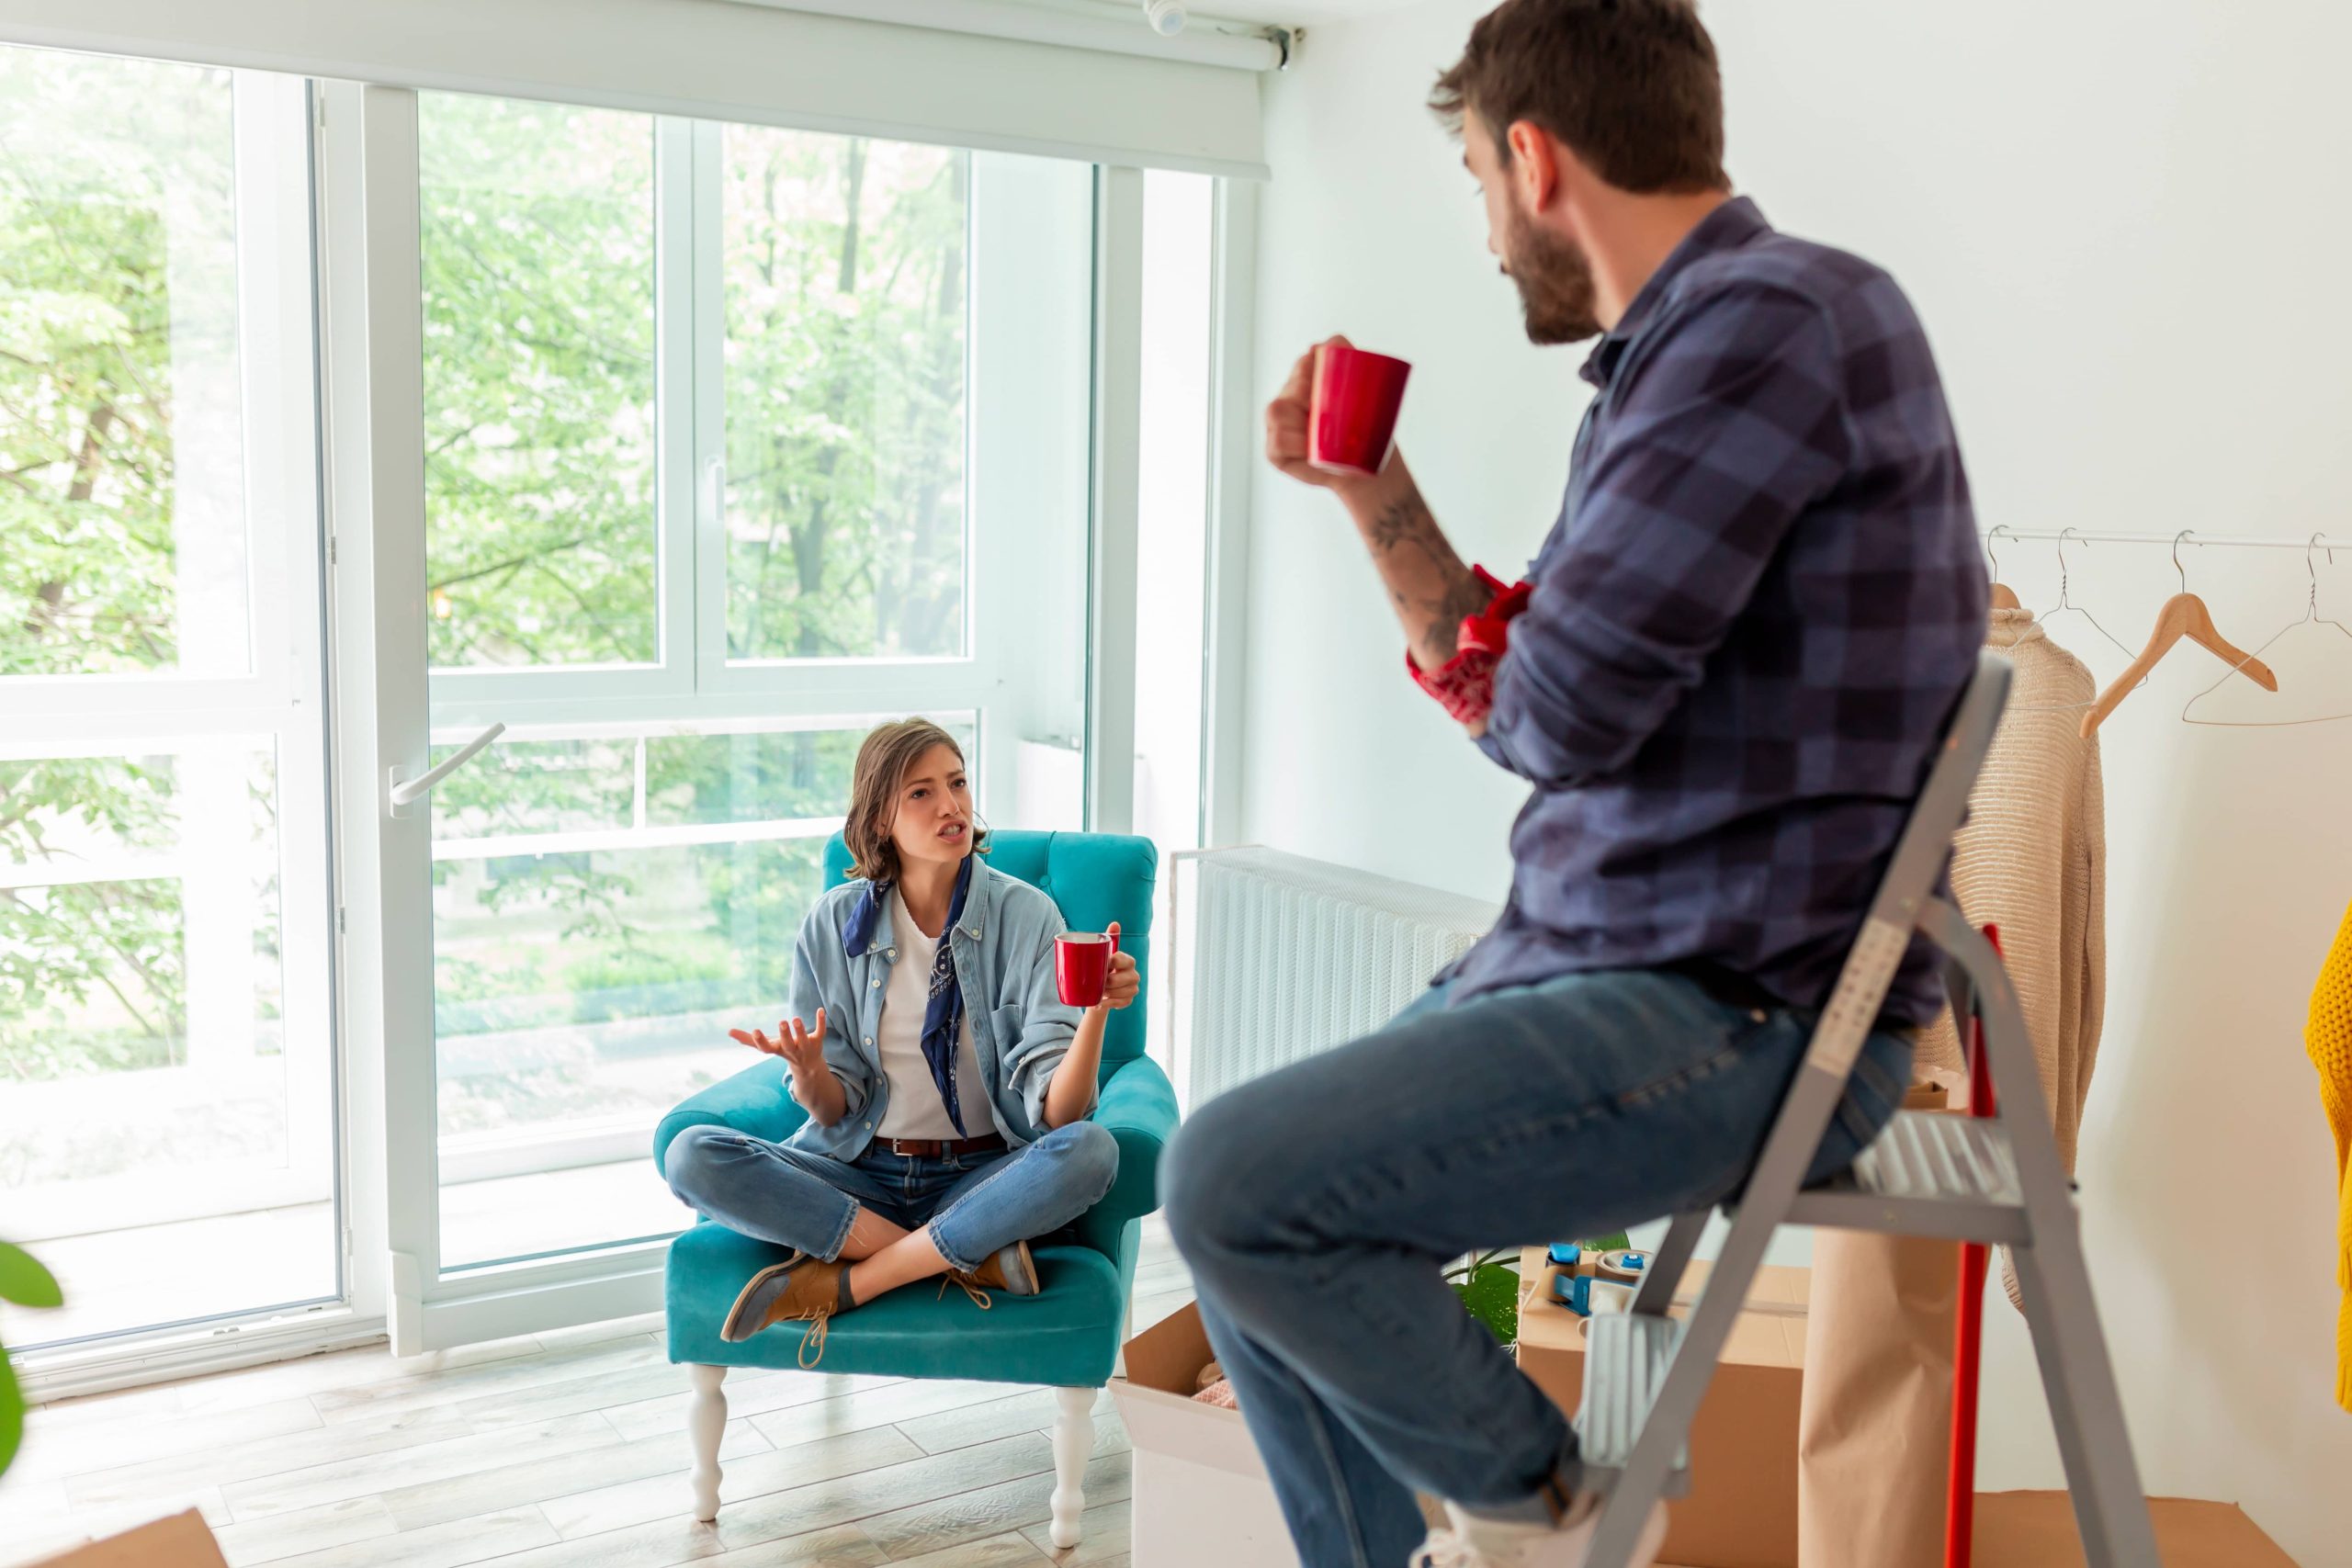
pixel 406 792
pixel 714 479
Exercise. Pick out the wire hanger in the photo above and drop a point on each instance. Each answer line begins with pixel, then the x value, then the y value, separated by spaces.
pixel 2311 617
pixel 2003 597
pixel 2065 605
pixel 2183 616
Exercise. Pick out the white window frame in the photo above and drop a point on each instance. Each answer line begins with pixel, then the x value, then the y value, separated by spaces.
pixel 370 163
pixel 1118 415
pixel 372 475
pixel 463 693
pixel 1235 454
pixel 368 421
pixel 280 700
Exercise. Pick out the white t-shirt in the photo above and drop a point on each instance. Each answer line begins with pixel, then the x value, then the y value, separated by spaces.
pixel 915 1110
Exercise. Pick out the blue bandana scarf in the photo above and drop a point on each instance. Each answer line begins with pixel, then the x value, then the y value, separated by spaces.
pixel 943 1015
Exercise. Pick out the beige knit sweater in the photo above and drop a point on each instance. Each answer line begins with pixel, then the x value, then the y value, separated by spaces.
pixel 2032 861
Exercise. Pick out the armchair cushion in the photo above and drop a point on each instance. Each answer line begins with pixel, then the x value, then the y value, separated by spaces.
pixel 1066 1335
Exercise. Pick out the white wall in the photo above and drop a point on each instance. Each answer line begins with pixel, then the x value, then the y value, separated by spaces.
pixel 2118 224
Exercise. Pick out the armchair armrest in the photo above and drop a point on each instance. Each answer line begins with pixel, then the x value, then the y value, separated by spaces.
pixel 752 1101
pixel 1139 1108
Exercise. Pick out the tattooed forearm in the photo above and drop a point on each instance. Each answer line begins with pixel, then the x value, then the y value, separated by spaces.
pixel 1404 520
pixel 1469 597
pixel 1429 586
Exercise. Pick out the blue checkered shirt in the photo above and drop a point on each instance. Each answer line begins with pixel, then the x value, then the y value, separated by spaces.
pixel 1747 630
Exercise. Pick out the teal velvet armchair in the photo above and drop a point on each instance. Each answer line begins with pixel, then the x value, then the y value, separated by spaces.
pixel 1067 1336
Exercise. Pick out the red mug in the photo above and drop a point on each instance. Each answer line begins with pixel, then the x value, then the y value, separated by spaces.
pixel 1351 416
pixel 1082 967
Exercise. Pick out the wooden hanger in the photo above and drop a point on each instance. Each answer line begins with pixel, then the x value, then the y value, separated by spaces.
pixel 2183 616
pixel 2004 596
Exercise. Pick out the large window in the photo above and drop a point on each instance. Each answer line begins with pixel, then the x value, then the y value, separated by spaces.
pixel 166 1056
pixel 122 439
pixel 845 274
pixel 685 452
pixel 738 440
pixel 537 225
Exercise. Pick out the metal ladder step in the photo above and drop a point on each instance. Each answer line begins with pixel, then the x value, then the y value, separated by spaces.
pixel 1929 1174
pixel 1625 1358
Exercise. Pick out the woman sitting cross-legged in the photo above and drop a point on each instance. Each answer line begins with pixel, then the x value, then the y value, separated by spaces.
pixel 947 1085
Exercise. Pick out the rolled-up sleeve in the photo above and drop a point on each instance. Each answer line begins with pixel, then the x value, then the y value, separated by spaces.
pixel 1730 424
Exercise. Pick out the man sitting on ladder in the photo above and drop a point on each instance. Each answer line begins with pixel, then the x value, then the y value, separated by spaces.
pixel 1725 675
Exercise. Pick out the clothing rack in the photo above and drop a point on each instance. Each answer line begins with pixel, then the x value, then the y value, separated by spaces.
pixel 2001 533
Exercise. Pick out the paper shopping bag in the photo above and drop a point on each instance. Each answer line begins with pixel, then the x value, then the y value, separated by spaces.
pixel 1874 1428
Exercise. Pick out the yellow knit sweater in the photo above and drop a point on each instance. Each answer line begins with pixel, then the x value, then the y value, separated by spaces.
pixel 2328 1036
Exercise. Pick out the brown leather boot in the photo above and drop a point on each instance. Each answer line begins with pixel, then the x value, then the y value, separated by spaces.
pixel 1009 1268
pixel 799 1288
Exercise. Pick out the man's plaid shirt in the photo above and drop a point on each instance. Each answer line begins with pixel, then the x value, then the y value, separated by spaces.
pixel 1747 631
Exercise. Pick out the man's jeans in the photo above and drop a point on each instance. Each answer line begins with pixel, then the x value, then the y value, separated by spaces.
pixel 974 1203
pixel 1317 1205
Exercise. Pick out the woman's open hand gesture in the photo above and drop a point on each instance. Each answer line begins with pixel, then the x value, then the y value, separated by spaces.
pixel 802 1048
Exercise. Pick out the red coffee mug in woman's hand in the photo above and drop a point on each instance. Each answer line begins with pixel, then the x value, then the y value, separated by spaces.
pixel 1082 967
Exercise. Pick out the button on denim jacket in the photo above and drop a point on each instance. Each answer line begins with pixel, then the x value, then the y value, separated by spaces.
pixel 1003 950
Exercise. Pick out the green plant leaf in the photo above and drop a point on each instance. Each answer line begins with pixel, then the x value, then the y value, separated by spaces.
pixel 1491 1294
pixel 12 1413
pixel 26 1283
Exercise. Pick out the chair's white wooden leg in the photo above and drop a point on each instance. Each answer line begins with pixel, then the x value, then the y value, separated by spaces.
pixel 705 1424
pixel 1073 1446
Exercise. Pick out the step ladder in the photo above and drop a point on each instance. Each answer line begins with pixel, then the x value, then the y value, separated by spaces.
pixel 1996 1179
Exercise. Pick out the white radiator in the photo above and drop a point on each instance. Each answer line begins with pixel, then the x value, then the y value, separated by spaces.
pixel 1279 957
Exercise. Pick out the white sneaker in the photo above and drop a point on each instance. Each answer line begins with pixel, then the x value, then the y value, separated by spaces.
pixel 1475 1542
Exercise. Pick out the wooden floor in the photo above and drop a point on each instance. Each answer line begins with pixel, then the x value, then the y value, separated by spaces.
pixel 569 1450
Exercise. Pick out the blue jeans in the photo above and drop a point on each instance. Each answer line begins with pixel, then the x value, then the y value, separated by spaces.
pixel 974 1203
pixel 1317 1205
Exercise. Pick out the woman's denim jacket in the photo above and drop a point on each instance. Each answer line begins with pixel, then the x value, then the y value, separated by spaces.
pixel 1004 948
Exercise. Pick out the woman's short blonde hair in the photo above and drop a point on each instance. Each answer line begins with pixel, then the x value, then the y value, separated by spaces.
pixel 882 764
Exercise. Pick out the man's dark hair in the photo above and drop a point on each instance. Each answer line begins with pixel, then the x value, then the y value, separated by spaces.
pixel 1629 85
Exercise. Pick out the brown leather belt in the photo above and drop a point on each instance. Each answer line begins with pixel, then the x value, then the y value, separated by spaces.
pixel 941 1148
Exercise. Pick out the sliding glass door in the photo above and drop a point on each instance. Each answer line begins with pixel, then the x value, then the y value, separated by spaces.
pixel 166 1052
pixel 734 441
pixel 633 466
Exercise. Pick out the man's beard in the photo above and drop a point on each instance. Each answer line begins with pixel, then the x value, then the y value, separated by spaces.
pixel 1554 284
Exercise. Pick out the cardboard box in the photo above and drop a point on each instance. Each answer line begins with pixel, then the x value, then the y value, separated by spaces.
pixel 2036 1530
pixel 184 1540
pixel 1200 1493
pixel 1742 1508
